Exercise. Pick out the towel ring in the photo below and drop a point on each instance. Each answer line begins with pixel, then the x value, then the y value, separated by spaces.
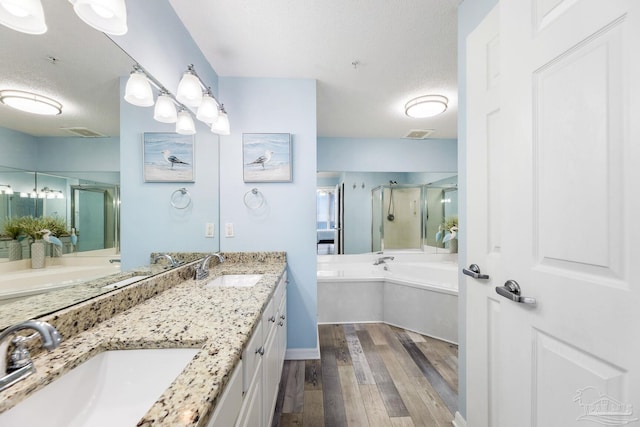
pixel 253 199
pixel 181 198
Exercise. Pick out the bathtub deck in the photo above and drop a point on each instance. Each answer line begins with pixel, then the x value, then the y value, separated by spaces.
pixel 371 375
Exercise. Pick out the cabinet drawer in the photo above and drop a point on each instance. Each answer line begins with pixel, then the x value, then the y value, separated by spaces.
pixel 269 318
pixel 251 356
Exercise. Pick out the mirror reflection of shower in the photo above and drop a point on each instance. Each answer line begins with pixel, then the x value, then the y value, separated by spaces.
pixel 401 227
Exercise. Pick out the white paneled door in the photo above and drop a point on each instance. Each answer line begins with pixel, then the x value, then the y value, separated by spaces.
pixel 559 319
pixel 484 212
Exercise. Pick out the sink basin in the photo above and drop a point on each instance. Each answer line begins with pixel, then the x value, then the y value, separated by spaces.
pixel 234 280
pixel 114 388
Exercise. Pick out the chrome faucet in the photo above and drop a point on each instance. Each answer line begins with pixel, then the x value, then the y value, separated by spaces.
pixel 382 260
pixel 20 364
pixel 172 262
pixel 202 270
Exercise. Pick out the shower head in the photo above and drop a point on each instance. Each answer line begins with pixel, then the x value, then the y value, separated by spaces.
pixel 393 182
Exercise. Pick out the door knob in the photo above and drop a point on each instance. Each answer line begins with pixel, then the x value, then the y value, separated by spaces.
pixel 511 290
pixel 474 271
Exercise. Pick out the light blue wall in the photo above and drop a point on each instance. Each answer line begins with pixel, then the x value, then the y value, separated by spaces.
pixel 148 221
pixel 386 155
pixel 287 221
pixel 20 148
pixel 158 40
pixel 470 14
pixel 79 154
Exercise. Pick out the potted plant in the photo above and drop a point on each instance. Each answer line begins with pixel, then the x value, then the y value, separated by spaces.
pixel 32 226
pixel 450 227
pixel 13 228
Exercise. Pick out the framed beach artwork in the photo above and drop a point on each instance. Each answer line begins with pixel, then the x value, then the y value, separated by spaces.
pixel 266 157
pixel 168 157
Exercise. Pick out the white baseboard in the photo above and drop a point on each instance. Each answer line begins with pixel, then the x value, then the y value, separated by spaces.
pixel 458 421
pixel 302 353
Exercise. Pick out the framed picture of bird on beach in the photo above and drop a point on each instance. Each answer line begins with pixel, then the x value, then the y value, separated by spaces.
pixel 168 157
pixel 266 157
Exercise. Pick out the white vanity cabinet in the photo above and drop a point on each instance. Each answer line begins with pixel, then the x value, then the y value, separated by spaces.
pixel 228 407
pixel 262 362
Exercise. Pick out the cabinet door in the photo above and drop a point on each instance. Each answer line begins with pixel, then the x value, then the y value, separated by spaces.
pixel 251 414
pixel 228 406
pixel 282 332
pixel 271 371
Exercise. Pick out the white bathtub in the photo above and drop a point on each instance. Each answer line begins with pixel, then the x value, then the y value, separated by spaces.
pixel 417 292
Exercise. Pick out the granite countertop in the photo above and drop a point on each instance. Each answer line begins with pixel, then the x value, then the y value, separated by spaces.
pixel 218 320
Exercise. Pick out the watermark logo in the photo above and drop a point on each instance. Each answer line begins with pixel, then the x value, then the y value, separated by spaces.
pixel 603 409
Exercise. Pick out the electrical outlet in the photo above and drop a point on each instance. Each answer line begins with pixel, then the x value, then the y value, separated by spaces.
pixel 228 229
pixel 209 230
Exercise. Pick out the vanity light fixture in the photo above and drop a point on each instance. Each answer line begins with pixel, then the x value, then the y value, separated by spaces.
pixel 6 189
pixel 426 106
pixel 30 102
pixel 139 92
pixel 138 89
pixel 190 89
pixel 208 109
pixel 108 16
pixel 165 109
pixel 25 16
pixel 185 125
pixel 221 125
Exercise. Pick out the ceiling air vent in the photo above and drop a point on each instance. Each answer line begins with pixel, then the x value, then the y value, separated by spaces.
pixel 418 133
pixel 84 132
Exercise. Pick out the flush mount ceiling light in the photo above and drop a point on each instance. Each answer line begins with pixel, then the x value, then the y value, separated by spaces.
pixel 426 106
pixel 108 16
pixel 25 16
pixel 30 102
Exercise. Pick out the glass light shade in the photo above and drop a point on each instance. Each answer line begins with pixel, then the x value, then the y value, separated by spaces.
pixel 165 110
pixel 426 106
pixel 189 90
pixel 30 102
pixel 185 125
pixel 221 126
pixel 138 90
pixel 6 189
pixel 25 16
pixel 108 16
pixel 208 109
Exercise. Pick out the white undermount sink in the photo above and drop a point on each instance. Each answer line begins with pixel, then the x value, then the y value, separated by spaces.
pixel 113 388
pixel 234 280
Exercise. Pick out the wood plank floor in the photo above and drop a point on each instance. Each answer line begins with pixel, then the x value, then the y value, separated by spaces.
pixel 370 375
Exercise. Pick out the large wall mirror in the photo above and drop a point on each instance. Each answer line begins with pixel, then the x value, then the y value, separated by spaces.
pixel 64 166
pixel 362 212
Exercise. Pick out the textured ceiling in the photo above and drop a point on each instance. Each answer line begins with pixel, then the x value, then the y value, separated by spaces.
pixel 402 49
pixel 81 79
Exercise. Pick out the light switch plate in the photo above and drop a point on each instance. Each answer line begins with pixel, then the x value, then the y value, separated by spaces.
pixel 228 229
pixel 209 230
